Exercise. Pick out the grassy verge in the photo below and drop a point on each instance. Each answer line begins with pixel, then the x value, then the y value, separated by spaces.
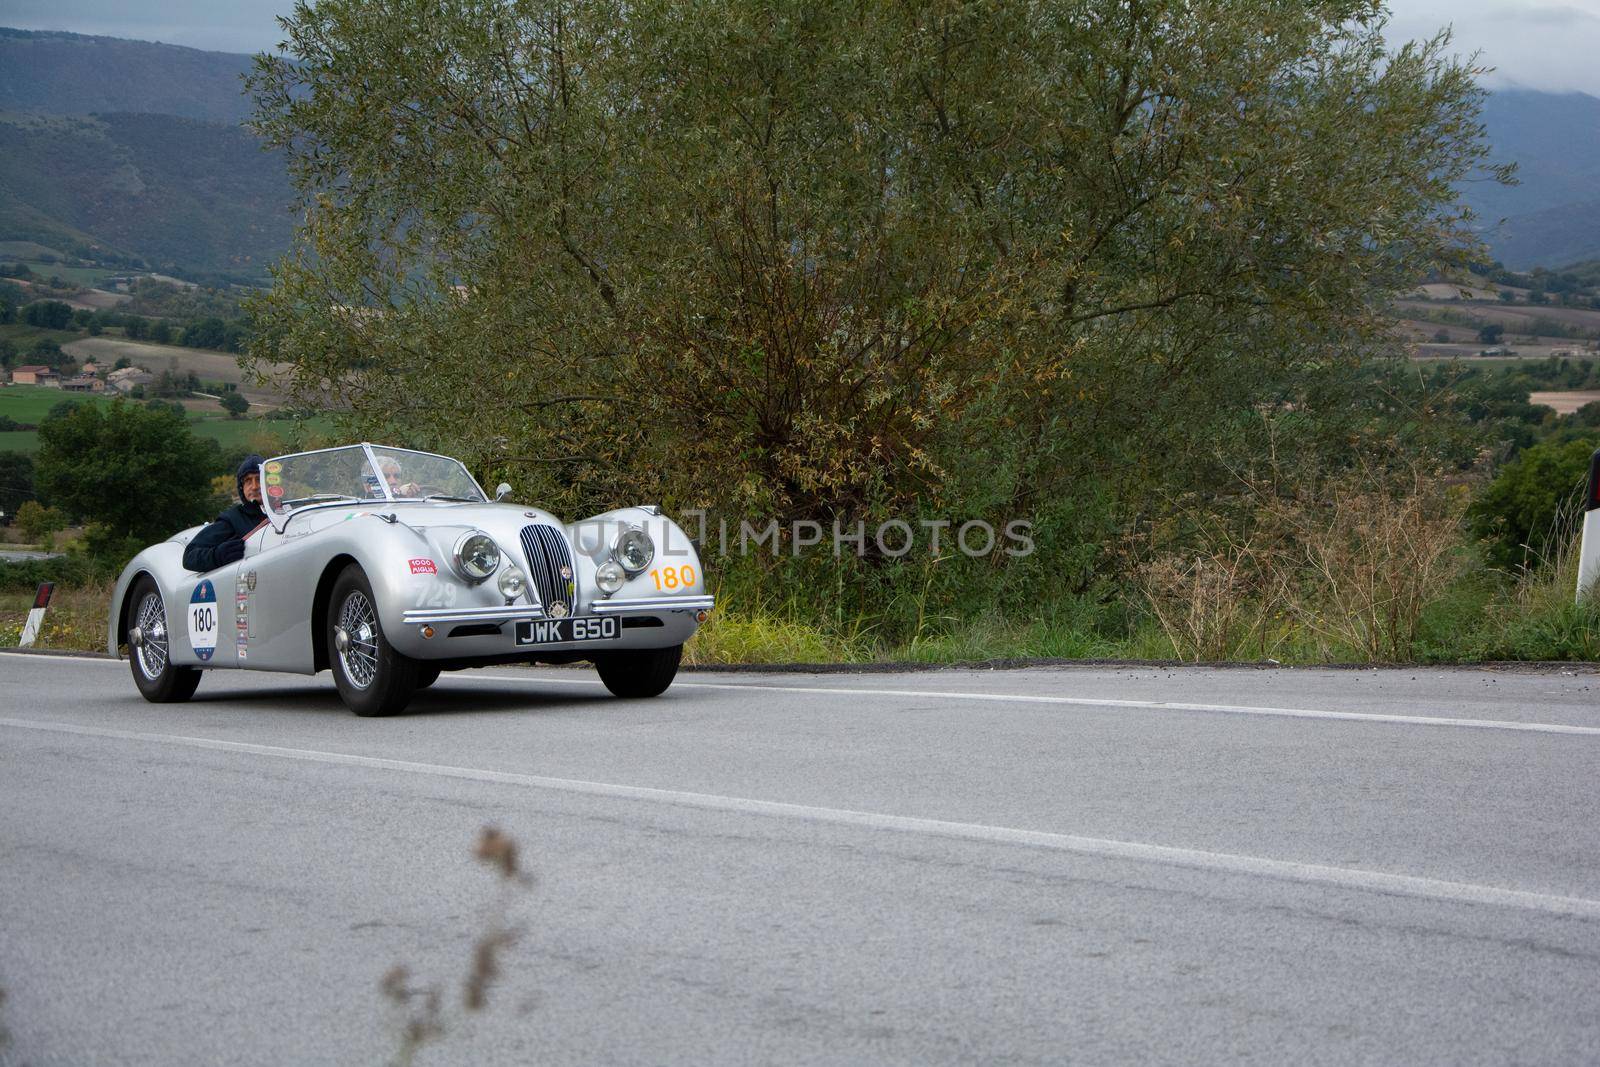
pixel 1477 620
pixel 76 619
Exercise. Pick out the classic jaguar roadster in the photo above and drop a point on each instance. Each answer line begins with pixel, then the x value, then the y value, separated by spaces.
pixel 388 566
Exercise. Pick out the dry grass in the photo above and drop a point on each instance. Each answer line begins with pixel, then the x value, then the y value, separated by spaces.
pixel 76 618
pixel 1345 571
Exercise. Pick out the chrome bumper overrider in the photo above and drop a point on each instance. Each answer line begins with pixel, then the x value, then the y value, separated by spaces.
pixel 434 616
pixel 653 603
pixel 518 612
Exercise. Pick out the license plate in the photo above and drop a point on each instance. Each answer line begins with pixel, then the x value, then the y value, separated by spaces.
pixel 555 631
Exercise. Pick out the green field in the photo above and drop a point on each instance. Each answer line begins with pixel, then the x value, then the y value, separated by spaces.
pixel 77 275
pixel 31 403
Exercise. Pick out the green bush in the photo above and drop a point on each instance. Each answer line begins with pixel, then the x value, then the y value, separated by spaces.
pixel 25 575
pixel 1529 509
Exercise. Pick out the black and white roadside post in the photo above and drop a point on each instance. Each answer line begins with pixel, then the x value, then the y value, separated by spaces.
pixel 41 600
pixel 1589 547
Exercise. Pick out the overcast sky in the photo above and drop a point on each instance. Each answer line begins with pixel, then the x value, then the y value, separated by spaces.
pixel 1540 44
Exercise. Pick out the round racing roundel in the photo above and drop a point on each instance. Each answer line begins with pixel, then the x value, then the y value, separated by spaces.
pixel 203 620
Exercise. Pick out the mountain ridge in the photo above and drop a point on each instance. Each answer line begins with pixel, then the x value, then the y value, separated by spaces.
pixel 1551 218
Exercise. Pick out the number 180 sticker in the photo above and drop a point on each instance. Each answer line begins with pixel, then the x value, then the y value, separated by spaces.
pixel 203 620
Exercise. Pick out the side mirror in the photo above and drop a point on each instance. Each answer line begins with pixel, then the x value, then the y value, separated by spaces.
pixel 502 491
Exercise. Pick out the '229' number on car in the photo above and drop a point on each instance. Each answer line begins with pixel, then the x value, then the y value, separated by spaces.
pixel 673 577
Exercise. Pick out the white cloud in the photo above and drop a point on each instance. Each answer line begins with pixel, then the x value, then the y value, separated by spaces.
pixel 1549 45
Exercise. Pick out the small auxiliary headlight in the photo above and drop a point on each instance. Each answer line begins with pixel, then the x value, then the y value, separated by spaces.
pixel 511 582
pixel 476 556
pixel 610 576
pixel 634 550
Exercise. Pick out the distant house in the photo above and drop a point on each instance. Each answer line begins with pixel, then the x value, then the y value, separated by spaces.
pixel 90 367
pixel 82 383
pixel 124 380
pixel 35 375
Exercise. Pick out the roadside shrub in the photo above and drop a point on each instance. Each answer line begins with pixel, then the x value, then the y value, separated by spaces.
pixel 1532 504
pixel 24 576
pixel 38 522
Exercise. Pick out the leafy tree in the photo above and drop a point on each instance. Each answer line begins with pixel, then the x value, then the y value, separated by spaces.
pixel 48 314
pixel 160 331
pixel 38 522
pixel 8 352
pixel 1532 504
pixel 135 472
pixel 206 333
pixel 16 482
pixel 1492 333
pixel 234 403
pixel 136 328
pixel 853 258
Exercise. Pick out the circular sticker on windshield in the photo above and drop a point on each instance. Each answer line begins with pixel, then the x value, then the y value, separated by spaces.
pixel 274 467
pixel 203 620
pixel 274 490
pixel 274 479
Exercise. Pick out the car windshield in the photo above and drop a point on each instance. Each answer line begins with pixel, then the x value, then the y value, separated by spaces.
pixel 418 475
pixel 362 473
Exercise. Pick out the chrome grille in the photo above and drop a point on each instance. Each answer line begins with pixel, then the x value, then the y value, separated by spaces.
pixel 547 552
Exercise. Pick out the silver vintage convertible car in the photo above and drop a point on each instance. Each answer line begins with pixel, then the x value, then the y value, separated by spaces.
pixel 388 579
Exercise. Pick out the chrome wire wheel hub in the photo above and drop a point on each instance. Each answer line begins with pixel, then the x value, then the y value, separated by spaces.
pixel 151 622
pixel 355 637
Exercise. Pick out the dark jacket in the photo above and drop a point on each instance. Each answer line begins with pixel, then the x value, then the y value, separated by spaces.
pixel 223 541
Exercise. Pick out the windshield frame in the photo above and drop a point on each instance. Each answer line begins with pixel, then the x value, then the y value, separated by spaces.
pixel 280 518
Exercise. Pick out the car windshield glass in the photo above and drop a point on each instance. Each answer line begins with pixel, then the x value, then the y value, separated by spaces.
pixel 320 477
pixel 417 475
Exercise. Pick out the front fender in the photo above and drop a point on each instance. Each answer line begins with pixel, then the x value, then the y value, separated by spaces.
pixel 164 563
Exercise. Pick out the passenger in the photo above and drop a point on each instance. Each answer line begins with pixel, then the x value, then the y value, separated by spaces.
pixel 391 475
pixel 223 541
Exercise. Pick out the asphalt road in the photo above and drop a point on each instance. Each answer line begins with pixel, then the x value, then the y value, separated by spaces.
pixel 1080 865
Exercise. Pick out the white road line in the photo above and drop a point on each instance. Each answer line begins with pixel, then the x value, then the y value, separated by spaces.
pixel 1023 698
pixel 1101 702
pixel 1231 863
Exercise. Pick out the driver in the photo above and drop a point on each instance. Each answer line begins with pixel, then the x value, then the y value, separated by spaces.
pixel 391 474
pixel 223 541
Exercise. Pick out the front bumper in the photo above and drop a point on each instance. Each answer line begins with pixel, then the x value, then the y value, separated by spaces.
pixel 664 621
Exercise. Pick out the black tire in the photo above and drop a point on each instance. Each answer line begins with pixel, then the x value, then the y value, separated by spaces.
pixel 639 674
pixel 373 678
pixel 158 679
pixel 427 674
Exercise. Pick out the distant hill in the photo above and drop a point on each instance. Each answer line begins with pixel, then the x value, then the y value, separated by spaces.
pixel 1550 217
pixel 165 174
pixel 182 195
pixel 70 74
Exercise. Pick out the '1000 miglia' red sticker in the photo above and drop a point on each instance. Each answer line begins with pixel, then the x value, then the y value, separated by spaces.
pixel 423 566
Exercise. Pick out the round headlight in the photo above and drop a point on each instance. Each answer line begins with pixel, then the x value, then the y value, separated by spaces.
pixel 477 556
pixel 609 577
pixel 634 550
pixel 511 582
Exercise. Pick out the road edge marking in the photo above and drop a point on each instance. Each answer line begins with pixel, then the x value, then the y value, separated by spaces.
pixel 1380 718
pixel 1106 848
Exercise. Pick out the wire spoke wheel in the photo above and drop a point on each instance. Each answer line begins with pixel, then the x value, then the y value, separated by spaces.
pixel 373 677
pixel 151 618
pixel 150 647
pixel 358 651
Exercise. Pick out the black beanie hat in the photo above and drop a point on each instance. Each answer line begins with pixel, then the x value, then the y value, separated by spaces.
pixel 251 465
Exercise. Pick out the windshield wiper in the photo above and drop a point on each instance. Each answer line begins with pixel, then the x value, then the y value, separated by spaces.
pixel 317 498
pixel 447 496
